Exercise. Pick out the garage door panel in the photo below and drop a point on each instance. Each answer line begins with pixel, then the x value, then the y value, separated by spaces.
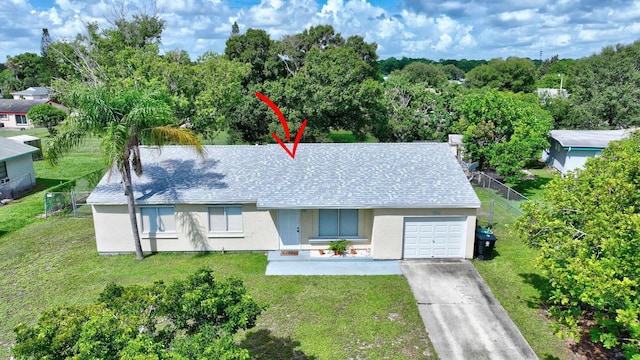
pixel 434 237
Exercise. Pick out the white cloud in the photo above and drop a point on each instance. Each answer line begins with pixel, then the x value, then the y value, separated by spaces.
pixel 413 28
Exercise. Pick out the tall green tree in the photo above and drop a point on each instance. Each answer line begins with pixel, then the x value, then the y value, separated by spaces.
pixel 513 74
pixel 430 74
pixel 252 47
pixel 503 129
pixel 417 112
pixel 606 87
pixel 124 120
pixel 334 89
pixel 586 231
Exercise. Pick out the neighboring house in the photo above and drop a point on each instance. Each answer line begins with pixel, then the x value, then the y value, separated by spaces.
pixel 13 113
pixel 16 167
pixel 400 200
pixel 570 149
pixel 30 140
pixel 32 93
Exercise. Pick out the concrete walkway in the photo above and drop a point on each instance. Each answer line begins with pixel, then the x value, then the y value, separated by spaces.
pixel 303 264
pixel 463 318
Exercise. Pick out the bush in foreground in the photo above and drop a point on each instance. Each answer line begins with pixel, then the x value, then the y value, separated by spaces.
pixel 587 232
pixel 188 319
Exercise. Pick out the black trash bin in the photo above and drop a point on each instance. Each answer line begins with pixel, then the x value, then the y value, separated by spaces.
pixel 485 241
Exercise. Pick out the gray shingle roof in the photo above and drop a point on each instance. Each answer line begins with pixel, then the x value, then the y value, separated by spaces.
pixel 10 149
pixel 36 90
pixel 588 138
pixel 16 106
pixel 373 175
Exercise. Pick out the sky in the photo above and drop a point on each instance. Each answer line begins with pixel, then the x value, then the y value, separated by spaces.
pixel 432 29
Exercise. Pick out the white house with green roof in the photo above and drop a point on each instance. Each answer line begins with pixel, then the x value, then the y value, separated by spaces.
pixel 399 200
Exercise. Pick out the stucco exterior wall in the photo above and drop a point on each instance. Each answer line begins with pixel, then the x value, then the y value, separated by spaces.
pixel 388 229
pixel 113 231
pixel 10 122
pixel 380 229
pixel 20 172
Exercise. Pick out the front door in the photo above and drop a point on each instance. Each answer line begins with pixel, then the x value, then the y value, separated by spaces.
pixel 289 229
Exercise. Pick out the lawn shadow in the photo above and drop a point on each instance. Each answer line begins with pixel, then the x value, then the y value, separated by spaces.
pixel 550 357
pixel 530 187
pixel 263 345
pixel 541 284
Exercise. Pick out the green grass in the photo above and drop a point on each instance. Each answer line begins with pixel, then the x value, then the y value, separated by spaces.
pixel 533 189
pixel 38 132
pixel 517 284
pixel 54 261
pixel 19 213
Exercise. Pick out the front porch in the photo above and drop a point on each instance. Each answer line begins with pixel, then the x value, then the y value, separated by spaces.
pixel 311 262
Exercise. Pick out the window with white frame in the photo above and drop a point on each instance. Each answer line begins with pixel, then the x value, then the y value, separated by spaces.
pixel 158 219
pixel 225 219
pixel 338 223
pixel 4 117
pixel 21 119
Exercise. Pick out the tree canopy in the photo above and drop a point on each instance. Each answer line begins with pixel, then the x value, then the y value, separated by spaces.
pixel 587 232
pixel 503 129
pixel 513 74
pixel 48 116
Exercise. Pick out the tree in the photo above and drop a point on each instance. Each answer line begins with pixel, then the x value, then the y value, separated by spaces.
pixel 45 43
pixel 220 83
pixel 335 90
pixel 194 318
pixel 503 129
pixel 430 74
pixel 252 47
pixel 605 88
pixel 416 112
pixel 452 72
pixel 235 29
pixel 366 52
pixel 513 74
pixel 124 120
pixel 29 69
pixel 587 232
pixel 48 116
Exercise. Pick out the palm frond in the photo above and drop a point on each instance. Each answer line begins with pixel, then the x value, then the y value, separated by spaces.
pixel 167 135
pixel 66 139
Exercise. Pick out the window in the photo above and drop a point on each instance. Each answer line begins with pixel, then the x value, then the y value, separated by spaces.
pixel 3 170
pixel 4 117
pixel 225 219
pixel 338 223
pixel 158 220
pixel 21 119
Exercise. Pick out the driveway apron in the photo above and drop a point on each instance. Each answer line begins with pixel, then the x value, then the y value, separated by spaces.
pixel 463 318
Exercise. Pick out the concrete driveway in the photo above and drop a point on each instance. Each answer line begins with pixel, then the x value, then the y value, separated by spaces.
pixel 463 318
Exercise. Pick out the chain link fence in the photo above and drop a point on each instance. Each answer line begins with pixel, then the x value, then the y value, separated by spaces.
pixel 499 203
pixel 70 198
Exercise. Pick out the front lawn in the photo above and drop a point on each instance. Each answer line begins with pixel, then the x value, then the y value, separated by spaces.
pixel 54 261
pixel 516 283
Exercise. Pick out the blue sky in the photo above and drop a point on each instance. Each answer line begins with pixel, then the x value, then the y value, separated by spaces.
pixel 433 29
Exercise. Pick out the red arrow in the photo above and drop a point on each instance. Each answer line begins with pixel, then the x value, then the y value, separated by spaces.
pixel 276 110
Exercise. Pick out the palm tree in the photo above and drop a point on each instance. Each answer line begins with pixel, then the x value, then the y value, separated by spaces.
pixel 124 120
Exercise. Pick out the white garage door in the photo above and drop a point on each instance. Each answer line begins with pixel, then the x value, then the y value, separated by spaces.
pixel 434 237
